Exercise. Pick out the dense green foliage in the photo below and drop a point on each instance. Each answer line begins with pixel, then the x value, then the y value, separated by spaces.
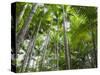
pixel 54 37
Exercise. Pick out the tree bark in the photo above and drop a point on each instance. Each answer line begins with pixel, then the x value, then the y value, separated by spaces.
pixel 44 51
pixel 21 35
pixel 21 14
pixel 94 50
pixel 56 56
pixel 67 55
pixel 27 58
pixel 32 48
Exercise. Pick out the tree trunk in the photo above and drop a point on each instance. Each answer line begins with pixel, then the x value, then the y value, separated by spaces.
pixel 67 55
pixel 21 34
pixel 43 55
pixel 21 14
pixel 94 50
pixel 30 55
pixel 57 56
pixel 32 48
pixel 27 58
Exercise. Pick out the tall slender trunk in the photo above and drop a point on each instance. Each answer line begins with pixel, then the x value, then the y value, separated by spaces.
pixel 67 55
pixel 46 41
pixel 59 55
pixel 56 56
pixel 32 48
pixel 69 51
pixel 21 14
pixel 29 57
pixel 21 34
pixel 29 52
pixel 94 50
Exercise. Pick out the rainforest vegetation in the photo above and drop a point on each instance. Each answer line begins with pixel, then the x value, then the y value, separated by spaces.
pixel 51 37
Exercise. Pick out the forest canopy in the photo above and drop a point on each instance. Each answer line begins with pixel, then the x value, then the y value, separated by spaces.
pixel 51 37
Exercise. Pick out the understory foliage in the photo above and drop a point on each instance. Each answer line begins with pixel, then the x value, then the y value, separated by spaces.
pixel 51 37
